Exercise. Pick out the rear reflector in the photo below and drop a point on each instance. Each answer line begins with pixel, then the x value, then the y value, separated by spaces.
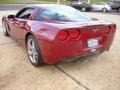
pixel 74 34
pixel 63 35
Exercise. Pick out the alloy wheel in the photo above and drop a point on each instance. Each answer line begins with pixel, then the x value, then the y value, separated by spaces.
pixel 32 52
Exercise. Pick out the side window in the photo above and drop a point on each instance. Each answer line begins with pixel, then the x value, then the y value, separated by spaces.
pixel 45 15
pixel 24 13
pixel 39 14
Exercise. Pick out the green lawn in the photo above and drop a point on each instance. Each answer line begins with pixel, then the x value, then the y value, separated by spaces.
pixel 36 1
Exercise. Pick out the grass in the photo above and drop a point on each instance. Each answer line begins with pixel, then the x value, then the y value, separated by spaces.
pixel 36 1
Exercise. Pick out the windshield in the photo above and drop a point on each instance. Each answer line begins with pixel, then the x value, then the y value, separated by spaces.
pixel 61 13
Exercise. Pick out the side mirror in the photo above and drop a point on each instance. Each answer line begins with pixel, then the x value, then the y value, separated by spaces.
pixel 11 17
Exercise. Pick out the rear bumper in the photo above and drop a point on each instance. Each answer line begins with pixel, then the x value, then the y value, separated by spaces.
pixel 75 58
pixel 55 51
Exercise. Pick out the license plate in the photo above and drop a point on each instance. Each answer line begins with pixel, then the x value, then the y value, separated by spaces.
pixel 92 43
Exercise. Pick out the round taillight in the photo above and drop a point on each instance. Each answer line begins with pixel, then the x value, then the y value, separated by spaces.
pixel 74 34
pixel 63 35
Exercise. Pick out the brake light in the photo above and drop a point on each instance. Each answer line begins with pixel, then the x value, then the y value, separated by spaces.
pixel 74 34
pixel 63 35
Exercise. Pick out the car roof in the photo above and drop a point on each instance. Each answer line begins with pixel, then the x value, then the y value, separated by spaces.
pixel 44 5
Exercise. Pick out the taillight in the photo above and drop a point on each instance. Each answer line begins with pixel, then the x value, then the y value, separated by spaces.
pixel 74 34
pixel 69 34
pixel 63 35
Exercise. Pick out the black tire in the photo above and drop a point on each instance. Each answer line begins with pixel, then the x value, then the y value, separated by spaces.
pixel 84 9
pixel 5 29
pixel 38 58
pixel 104 10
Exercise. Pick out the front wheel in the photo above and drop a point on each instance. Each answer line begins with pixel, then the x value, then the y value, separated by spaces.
pixel 33 51
pixel 5 31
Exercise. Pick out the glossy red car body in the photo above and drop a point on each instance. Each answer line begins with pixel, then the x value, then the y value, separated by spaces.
pixel 53 48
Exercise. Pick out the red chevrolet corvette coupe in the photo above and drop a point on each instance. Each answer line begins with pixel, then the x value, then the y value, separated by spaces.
pixel 55 33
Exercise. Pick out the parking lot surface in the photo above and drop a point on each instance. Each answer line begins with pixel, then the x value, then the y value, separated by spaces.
pixel 94 73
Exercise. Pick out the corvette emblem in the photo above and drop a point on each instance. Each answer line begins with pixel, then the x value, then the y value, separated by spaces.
pixel 95 30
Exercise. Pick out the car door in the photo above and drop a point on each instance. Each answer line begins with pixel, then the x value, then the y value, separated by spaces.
pixel 21 19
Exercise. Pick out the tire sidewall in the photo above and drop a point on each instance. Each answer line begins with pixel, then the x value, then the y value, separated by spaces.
pixel 39 60
pixel 104 10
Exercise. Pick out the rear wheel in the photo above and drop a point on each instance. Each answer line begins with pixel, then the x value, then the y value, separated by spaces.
pixel 5 29
pixel 104 9
pixel 33 51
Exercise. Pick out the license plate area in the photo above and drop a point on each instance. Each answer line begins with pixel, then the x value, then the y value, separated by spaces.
pixel 93 43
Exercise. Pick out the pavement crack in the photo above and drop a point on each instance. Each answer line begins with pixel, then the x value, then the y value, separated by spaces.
pixel 79 83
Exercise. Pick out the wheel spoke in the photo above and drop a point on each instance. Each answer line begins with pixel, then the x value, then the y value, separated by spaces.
pixel 33 44
pixel 29 45
pixel 34 58
pixel 32 52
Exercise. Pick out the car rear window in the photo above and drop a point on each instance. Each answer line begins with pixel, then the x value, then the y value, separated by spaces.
pixel 64 13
